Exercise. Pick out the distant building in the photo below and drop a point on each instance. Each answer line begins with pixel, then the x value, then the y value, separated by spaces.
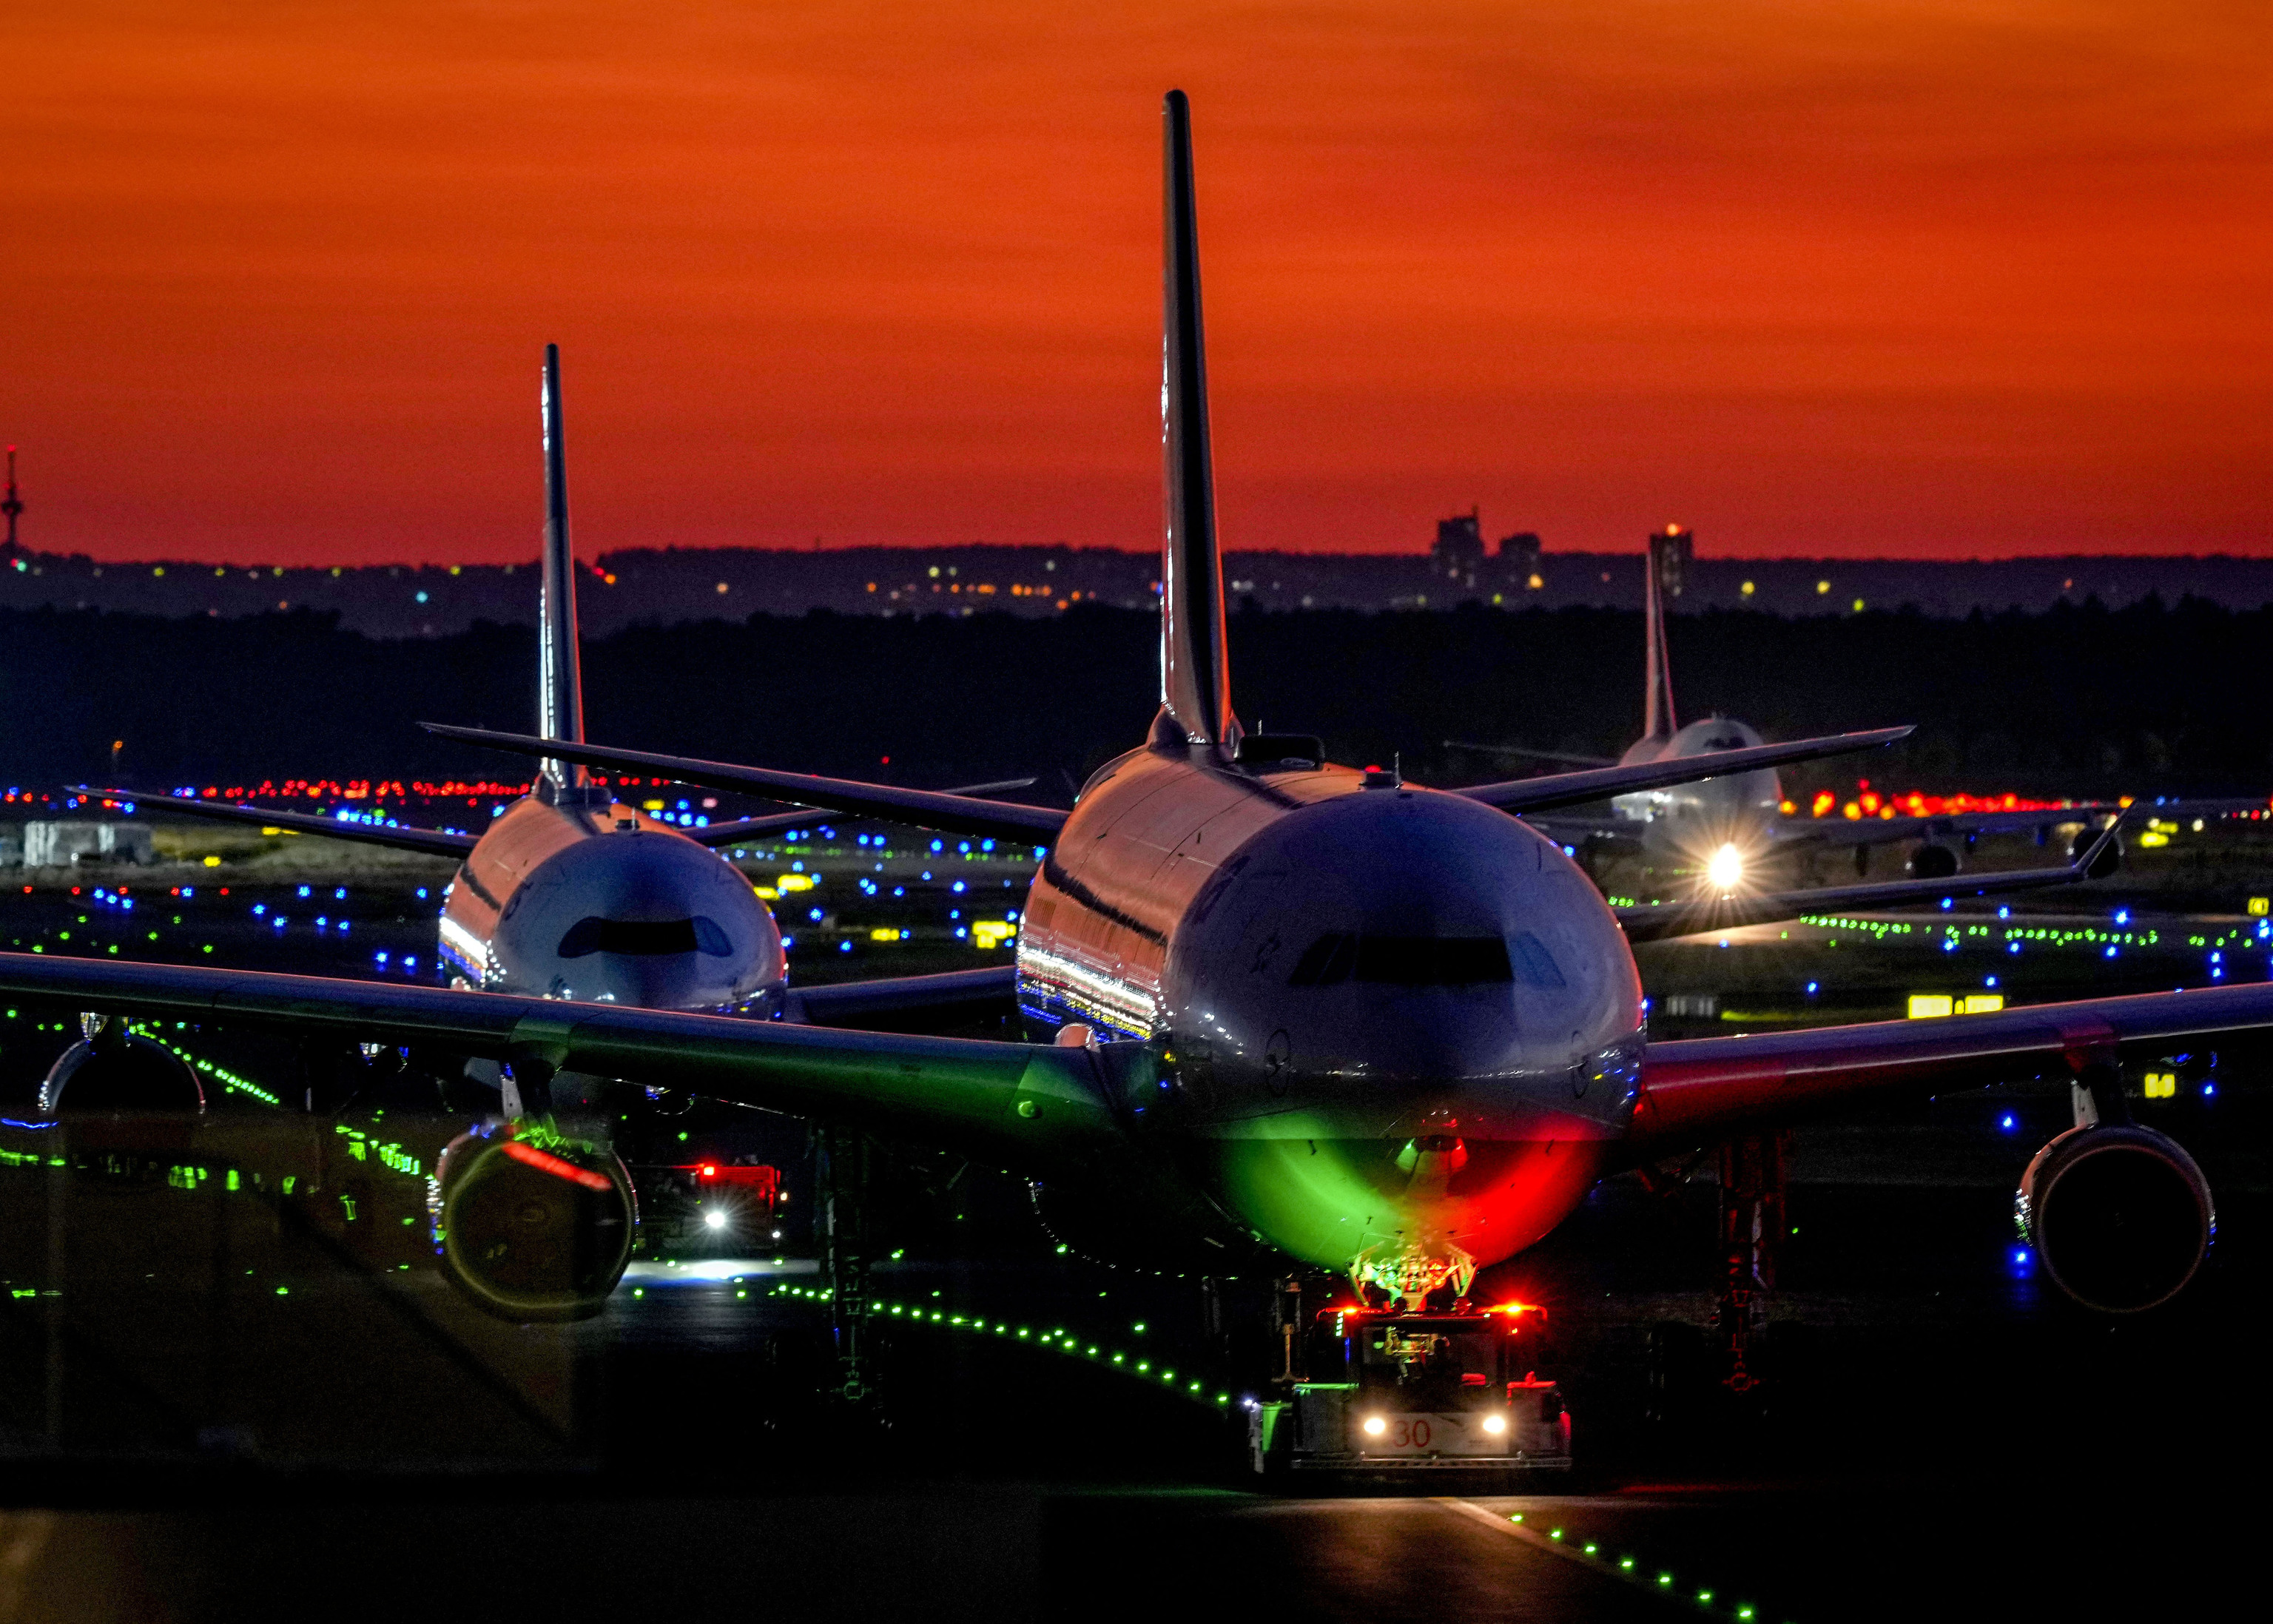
pixel 1458 555
pixel 1519 561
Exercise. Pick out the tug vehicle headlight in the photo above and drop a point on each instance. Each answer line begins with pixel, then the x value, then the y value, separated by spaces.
pixel 1375 1427
pixel 1495 1425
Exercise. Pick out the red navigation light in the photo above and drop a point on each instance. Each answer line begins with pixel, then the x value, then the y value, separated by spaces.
pixel 709 1170
pixel 545 1162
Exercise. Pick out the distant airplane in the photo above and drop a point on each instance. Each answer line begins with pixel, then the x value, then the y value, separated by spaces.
pixel 570 893
pixel 1293 1015
pixel 1725 828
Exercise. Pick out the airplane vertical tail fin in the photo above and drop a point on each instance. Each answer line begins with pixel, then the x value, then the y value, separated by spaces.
pixel 1195 676
pixel 559 688
pixel 1661 579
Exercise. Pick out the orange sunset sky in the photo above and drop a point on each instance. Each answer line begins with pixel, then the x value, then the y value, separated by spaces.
pixel 1953 277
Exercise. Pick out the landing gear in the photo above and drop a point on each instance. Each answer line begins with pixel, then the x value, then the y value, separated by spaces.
pixel 1752 1225
pixel 845 1158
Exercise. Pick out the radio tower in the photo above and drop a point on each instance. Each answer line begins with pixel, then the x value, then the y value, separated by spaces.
pixel 12 506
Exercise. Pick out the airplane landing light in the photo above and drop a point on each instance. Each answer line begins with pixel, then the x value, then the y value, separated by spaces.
pixel 1725 870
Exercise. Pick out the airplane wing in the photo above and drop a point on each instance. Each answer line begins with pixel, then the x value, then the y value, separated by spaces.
pixel 1036 1107
pixel 1579 831
pixel 933 809
pixel 1524 752
pixel 1649 923
pixel 434 842
pixel 1552 790
pixel 1694 1090
pixel 1883 830
pixel 740 829
pixel 898 1003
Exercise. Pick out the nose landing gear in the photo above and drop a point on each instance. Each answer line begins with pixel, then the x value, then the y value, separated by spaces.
pixel 1752 1225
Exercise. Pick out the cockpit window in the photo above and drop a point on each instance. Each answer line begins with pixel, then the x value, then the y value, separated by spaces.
pixel 644 938
pixel 1405 960
pixel 1534 962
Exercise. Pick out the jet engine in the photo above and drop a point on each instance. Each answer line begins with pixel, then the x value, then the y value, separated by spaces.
pixel 2110 860
pixel 534 1226
pixel 1934 861
pixel 2118 1214
pixel 114 1069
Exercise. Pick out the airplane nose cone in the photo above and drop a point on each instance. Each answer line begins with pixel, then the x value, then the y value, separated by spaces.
pixel 1407 1025
pixel 641 918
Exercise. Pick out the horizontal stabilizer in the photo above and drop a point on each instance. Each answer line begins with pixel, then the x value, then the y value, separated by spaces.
pixel 933 809
pixel 741 829
pixel 1522 795
pixel 434 842
pixel 1657 923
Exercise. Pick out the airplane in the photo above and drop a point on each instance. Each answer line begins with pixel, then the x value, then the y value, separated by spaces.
pixel 1285 1016
pixel 1726 827
pixel 570 893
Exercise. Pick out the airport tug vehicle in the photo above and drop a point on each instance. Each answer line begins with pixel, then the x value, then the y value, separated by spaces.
pixel 1437 1391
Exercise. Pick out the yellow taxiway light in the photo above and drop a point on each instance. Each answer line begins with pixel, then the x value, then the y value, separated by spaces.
pixel 1928 1005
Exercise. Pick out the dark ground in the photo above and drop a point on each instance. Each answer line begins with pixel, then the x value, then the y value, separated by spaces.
pixel 1944 1435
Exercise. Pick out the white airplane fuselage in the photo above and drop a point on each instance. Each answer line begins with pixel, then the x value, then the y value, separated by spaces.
pixel 596 902
pixel 1688 823
pixel 1395 1026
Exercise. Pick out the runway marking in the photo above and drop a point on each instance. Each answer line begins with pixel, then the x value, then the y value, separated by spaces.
pixel 1650 1583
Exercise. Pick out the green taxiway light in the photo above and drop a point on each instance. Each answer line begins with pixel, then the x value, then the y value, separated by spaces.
pixel 1703 1595
pixel 1590 1550
pixel 1665 1578
pixel 1744 1613
pixel 1626 1562
pixel 1554 1533
pixel 1517 1517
